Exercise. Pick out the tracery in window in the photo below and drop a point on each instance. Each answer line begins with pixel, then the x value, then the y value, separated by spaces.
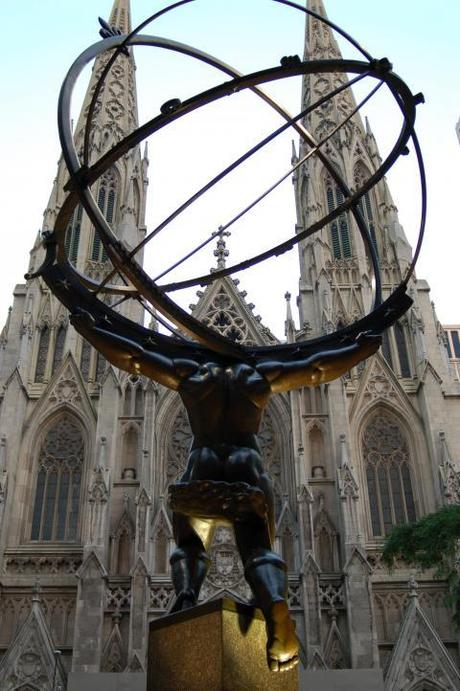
pixel 59 347
pixel 106 201
pixel 222 316
pixel 339 228
pixel 42 355
pixel 389 484
pixel 57 494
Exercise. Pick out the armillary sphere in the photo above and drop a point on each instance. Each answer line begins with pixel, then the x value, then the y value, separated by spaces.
pixel 127 280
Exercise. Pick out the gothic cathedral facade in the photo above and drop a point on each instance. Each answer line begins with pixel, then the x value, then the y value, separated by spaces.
pixel 87 452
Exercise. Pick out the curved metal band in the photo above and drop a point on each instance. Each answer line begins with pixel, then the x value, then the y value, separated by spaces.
pixel 243 82
pixel 82 177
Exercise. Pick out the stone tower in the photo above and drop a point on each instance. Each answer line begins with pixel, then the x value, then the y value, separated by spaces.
pixel 87 451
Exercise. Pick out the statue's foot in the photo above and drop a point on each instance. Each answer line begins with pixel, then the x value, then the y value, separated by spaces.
pixel 184 600
pixel 282 643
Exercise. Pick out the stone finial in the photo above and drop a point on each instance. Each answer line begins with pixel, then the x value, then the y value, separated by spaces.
pixel 101 456
pixel 221 252
pixel 2 453
pixel 413 587
pixel 344 461
pixel 36 591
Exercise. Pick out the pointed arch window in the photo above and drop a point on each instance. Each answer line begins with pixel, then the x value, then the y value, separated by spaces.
pixel 386 347
pixel 72 238
pixel 59 347
pixel 106 200
pixel 57 493
pixel 42 354
pixel 361 174
pixel 339 228
pixel 388 473
pixel 401 345
pixel 85 359
pixel 101 367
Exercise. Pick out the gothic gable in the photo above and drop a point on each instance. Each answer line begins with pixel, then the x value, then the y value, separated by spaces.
pixel 419 656
pixel 224 308
pixel 380 385
pixel 66 389
pixel 30 660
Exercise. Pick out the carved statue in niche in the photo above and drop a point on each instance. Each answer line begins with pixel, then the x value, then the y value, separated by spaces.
pixel 225 479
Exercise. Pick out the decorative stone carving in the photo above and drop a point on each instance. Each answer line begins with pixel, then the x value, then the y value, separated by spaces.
pixel 419 655
pixel 66 390
pixel 223 316
pixel 226 570
pixel 379 386
pixel 331 595
pixel 42 564
pixel 31 660
pixel 118 598
pixel 450 474
pixel 114 656
pixel 294 595
pixel 160 595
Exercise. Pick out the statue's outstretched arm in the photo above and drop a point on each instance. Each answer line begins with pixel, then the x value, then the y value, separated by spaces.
pixel 128 355
pixel 320 367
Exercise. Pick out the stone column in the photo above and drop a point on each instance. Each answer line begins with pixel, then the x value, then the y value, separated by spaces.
pixel 349 496
pixel 360 615
pixel 309 576
pixel 98 497
pixel 3 481
pixel 89 615
pixel 138 633
pixel 143 503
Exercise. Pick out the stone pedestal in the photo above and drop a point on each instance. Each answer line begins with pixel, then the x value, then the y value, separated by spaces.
pixel 218 646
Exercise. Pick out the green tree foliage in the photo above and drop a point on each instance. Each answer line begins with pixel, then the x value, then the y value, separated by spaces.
pixel 431 542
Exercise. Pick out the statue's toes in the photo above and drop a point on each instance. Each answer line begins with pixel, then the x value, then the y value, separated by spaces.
pixel 274 665
pixel 289 664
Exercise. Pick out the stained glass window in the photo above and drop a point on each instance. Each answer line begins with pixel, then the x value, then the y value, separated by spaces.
pixel 403 355
pixel 42 355
pixel 389 484
pixel 57 494
pixel 386 347
pixel 59 347
pixel 106 200
pixel 340 231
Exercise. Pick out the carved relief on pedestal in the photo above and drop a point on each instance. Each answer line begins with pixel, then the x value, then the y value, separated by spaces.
pixel 226 569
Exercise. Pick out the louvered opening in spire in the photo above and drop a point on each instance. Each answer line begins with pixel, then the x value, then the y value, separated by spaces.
pixel 120 16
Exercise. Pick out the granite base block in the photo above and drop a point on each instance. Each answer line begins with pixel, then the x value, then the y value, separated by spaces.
pixel 218 646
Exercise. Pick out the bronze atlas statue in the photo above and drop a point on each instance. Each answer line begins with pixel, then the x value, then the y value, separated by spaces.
pixel 224 385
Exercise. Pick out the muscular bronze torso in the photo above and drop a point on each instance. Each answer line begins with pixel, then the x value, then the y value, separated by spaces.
pixel 225 404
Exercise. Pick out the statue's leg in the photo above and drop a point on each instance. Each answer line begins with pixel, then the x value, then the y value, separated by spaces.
pixel 189 561
pixel 264 570
pixel 266 574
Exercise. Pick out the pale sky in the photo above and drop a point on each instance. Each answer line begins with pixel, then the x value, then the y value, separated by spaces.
pixel 41 40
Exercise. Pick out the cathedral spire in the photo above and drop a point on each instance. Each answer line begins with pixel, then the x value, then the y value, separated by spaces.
pixel 120 16
pixel 320 43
